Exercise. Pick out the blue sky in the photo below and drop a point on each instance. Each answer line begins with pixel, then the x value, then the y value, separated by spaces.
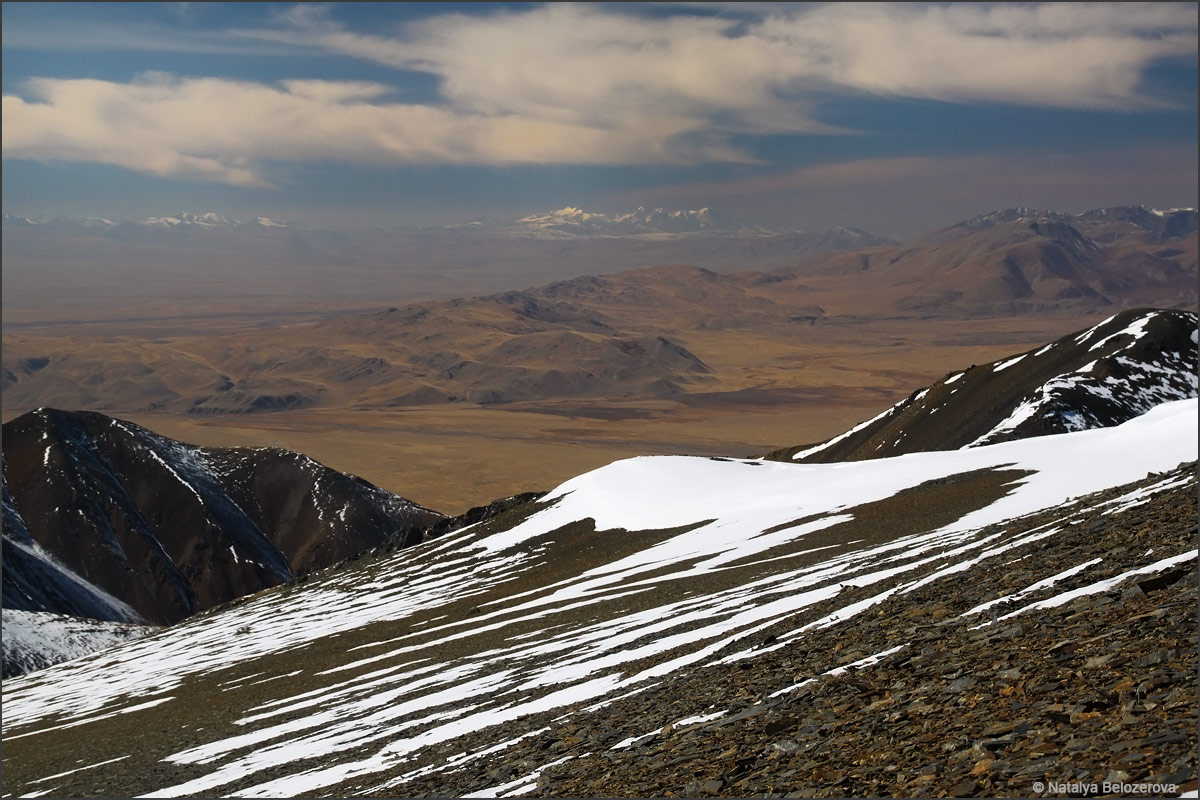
pixel 897 118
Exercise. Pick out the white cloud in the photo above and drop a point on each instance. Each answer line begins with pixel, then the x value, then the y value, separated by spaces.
pixel 579 84
pixel 581 60
pixel 1064 55
pixel 214 129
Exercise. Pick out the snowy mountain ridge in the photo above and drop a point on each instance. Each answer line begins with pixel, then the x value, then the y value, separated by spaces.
pixel 1135 214
pixel 1099 377
pixel 182 219
pixel 574 221
pixel 421 669
pixel 208 220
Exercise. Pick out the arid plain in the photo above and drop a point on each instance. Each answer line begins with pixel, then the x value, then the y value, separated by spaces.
pixel 456 402
pixel 768 386
pixel 454 455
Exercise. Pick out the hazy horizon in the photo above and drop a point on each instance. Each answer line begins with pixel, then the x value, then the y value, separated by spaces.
pixel 342 225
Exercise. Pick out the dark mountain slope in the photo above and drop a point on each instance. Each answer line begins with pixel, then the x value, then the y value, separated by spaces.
pixel 107 520
pixel 36 580
pixel 1095 378
pixel 1026 261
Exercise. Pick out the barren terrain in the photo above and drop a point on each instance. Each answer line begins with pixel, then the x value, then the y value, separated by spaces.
pixel 769 386
pixel 455 402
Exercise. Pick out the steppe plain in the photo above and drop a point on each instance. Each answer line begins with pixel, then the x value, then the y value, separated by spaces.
pixel 771 384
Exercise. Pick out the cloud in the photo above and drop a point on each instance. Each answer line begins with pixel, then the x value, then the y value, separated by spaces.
pixel 580 84
pixel 574 59
pixel 1090 56
pixel 217 130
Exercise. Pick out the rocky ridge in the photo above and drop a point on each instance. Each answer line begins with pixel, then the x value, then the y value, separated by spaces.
pixel 958 695
pixel 1095 378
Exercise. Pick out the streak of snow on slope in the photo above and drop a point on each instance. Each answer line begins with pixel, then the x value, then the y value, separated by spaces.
pixel 1006 364
pixel 726 506
pixel 826 445
pixel 1104 585
pixel 1090 332
pixel 1042 584
pixel 79 769
pixel 870 660
pixel 677 724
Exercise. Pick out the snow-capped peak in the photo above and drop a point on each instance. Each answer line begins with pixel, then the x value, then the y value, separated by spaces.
pixel 16 219
pixel 571 220
pixel 208 219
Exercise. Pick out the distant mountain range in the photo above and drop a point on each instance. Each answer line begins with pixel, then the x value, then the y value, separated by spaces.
pixel 570 222
pixel 628 333
pixel 183 219
pixel 1128 256
pixel 648 232
pixel 563 222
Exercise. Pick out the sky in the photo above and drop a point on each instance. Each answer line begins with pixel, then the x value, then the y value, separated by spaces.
pixel 898 118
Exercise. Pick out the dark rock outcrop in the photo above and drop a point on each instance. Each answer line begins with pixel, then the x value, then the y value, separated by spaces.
pixel 107 520
pixel 478 514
